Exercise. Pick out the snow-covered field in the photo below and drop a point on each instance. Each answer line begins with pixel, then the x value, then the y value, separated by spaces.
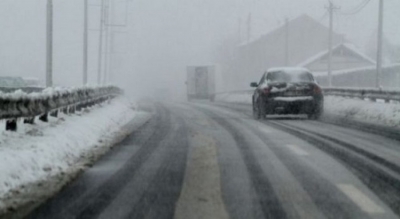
pixel 379 113
pixel 38 159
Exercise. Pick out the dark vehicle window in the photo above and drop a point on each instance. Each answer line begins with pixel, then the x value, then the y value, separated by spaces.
pixel 280 76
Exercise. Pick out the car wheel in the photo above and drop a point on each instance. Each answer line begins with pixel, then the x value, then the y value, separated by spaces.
pixel 261 108
pixel 317 113
pixel 256 114
pixel 313 116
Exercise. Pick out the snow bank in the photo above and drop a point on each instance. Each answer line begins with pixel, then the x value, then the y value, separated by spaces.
pixel 379 113
pixel 36 153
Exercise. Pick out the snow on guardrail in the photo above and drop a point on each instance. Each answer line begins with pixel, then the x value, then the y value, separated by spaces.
pixel 365 93
pixel 27 106
pixel 24 89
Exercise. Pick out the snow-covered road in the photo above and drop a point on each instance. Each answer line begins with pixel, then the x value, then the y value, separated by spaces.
pixel 203 160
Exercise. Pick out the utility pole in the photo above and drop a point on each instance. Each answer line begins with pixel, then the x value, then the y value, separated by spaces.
pixel 85 43
pixel 287 42
pixel 331 9
pixel 113 66
pixel 49 44
pixel 379 50
pixel 240 30
pixel 106 23
pixel 249 28
pixel 100 55
pixel 111 70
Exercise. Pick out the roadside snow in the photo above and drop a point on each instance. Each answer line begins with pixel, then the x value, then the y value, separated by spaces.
pixel 62 147
pixel 379 113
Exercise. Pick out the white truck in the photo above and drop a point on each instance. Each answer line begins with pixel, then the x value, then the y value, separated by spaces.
pixel 201 82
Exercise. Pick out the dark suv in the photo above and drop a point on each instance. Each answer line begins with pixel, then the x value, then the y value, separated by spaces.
pixel 287 91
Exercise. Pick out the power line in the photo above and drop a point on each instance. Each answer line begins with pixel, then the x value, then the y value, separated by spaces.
pixel 356 9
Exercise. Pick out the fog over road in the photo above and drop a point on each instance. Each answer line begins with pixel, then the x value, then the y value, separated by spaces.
pixel 202 160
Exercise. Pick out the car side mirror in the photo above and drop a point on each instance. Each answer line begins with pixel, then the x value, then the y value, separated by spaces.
pixel 253 84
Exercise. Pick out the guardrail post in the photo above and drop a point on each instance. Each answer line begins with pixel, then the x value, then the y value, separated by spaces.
pixel 65 110
pixel 54 113
pixel 71 109
pixel 29 120
pixel 44 117
pixel 11 125
pixel 79 107
pixel 90 103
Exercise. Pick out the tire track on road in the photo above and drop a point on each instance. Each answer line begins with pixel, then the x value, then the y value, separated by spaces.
pixel 92 205
pixel 160 197
pixel 373 157
pixel 322 192
pixel 384 185
pixel 269 202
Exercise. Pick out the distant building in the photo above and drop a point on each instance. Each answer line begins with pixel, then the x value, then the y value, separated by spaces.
pixel 344 56
pixel 11 82
pixel 303 41
pixel 33 82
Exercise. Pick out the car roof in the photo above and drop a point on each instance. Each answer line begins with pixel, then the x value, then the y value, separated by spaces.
pixel 289 69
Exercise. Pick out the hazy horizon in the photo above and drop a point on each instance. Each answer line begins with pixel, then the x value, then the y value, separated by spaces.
pixel 161 37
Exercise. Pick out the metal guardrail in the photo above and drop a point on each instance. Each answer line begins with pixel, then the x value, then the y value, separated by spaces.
pixel 372 94
pixel 21 105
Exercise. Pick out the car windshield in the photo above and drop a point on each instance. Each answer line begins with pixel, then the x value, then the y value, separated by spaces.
pixel 281 76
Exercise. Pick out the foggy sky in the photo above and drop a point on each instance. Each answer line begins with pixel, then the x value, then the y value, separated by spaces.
pixel 163 36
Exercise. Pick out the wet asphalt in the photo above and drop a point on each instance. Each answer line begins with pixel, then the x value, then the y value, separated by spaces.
pixel 202 160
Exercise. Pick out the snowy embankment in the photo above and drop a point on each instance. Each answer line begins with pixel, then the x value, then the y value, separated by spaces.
pixel 378 113
pixel 38 159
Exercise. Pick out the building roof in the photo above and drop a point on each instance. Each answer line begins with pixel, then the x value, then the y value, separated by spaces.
pixel 342 46
pixel 306 37
pixel 288 69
